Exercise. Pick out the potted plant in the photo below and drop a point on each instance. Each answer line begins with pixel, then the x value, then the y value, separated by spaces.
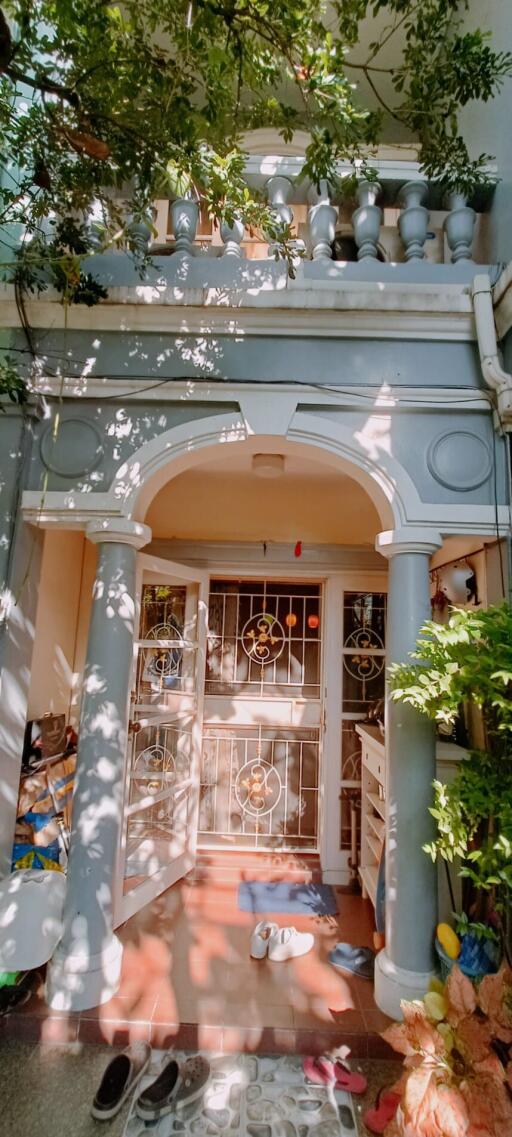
pixel 467 662
pixel 457 1045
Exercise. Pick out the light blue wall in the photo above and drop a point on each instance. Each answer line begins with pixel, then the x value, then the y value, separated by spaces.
pixel 357 363
pixel 487 126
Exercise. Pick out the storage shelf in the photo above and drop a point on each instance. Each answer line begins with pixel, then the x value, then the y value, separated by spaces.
pixel 375 846
pixel 368 876
pixel 378 804
pixel 378 826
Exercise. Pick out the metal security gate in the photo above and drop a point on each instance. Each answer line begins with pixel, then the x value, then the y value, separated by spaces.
pixel 259 787
pixel 161 802
pixel 261 753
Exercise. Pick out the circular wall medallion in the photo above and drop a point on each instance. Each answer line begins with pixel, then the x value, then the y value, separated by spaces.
pixel 263 638
pixel 77 448
pixel 459 460
pixel 257 788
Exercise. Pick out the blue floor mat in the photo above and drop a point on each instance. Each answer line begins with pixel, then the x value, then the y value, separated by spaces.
pixel 277 896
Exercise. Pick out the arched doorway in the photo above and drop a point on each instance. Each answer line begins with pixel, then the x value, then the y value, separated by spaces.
pixel 293 658
pixel 115 523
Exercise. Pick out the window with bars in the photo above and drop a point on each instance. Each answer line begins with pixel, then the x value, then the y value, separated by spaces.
pixel 264 638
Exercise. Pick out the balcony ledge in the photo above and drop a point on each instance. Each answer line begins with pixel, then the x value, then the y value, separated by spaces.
pixel 396 305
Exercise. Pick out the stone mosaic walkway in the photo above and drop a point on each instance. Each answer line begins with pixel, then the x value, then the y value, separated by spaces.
pixel 253 1096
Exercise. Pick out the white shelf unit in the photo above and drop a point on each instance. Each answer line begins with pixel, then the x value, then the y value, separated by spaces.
pixel 373 806
pixel 373 812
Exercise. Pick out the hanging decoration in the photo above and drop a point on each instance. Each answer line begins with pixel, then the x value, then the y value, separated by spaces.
pixel 440 602
pixel 290 620
pixel 313 622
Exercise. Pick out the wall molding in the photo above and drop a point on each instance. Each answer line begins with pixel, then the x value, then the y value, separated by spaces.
pixel 347 309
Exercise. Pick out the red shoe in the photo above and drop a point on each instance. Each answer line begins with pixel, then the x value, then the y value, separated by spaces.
pixel 324 1072
pixel 383 1111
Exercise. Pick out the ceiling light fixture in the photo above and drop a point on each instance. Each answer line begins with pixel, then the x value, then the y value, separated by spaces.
pixel 268 465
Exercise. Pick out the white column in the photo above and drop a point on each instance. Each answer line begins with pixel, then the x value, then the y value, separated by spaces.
pixel 404 968
pixel 85 969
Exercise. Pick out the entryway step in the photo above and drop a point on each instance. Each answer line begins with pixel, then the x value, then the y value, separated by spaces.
pixel 292 868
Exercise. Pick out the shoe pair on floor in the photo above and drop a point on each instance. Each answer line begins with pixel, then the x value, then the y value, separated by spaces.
pixel 279 944
pixel 175 1087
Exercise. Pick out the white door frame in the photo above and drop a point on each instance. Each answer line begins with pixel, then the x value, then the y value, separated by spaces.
pixel 334 861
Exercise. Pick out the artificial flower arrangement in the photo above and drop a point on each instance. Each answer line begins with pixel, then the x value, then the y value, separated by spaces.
pixel 457 1047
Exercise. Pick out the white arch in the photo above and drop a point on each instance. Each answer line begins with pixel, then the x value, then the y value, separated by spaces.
pixel 138 479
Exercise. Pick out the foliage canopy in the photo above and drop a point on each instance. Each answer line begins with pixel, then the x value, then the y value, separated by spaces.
pixel 137 99
pixel 469 661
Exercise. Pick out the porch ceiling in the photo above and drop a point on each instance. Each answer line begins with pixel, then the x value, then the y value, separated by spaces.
pixel 224 500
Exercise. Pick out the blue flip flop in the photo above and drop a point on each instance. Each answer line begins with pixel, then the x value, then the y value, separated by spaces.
pixel 357 960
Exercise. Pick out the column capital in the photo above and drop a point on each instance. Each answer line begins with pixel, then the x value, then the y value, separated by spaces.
pixel 118 530
pixel 410 539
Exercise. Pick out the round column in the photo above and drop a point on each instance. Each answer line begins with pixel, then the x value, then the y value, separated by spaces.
pixel 85 968
pixel 404 968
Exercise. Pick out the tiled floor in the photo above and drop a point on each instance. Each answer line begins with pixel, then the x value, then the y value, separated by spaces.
pixel 188 979
pixel 47 1090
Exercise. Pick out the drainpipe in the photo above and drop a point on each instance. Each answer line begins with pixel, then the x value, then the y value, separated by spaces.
pixel 495 376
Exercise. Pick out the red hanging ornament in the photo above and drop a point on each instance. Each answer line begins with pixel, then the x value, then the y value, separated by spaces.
pixel 297 552
pixel 313 622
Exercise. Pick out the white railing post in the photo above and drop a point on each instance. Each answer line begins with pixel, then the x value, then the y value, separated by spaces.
pixel 413 220
pixel 232 237
pixel 322 218
pixel 459 227
pixel 367 219
pixel 185 217
pixel 278 190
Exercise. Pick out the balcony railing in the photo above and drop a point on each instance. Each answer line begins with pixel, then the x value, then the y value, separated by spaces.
pixel 382 226
pixel 397 229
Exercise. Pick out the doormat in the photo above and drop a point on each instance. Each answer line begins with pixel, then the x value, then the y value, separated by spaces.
pixel 277 896
pixel 251 1095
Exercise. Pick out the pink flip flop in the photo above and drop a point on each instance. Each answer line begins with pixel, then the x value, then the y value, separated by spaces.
pixel 323 1072
pixel 383 1111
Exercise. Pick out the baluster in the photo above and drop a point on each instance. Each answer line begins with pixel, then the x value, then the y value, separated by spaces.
pixel 413 220
pixel 278 190
pixel 232 236
pixel 185 217
pixel 140 230
pixel 322 217
pixel 366 220
pixel 459 227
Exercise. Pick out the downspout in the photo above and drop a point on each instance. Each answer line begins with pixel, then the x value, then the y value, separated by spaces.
pixel 499 380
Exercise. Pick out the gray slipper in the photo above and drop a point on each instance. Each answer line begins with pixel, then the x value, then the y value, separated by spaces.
pixel 120 1078
pixel 357 960
pixel 194 1078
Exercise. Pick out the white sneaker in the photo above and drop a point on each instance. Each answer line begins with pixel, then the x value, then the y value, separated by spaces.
pixel 261 937
pixel 287 943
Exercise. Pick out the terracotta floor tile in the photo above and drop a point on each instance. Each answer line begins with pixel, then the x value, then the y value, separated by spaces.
pixel 375 1021
pixel 115 1033
pixel 378 1048
pixel 59 1030
pixel 363 992
pixel 255 1015
pixel 258 1040
pixel 187 972
pixel 322 1042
